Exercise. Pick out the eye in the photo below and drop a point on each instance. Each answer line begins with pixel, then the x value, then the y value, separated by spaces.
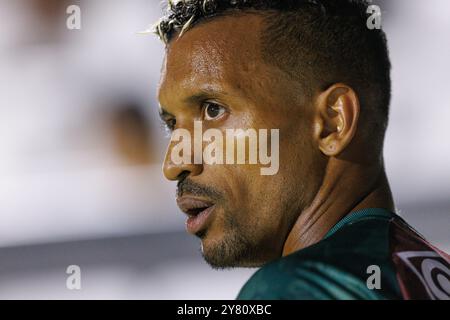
pixel 171 124
pixel 168 126
pixel 213 110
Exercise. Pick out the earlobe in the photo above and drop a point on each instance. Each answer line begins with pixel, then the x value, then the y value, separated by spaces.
pixel 337 118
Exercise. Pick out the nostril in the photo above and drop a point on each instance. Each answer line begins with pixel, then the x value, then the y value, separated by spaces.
pixel 181 179
pixel 183 175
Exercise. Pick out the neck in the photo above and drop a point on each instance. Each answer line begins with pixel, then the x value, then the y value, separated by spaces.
pixel 347 187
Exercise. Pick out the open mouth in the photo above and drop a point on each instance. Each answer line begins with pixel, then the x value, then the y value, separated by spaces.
pixel 197 211
pixel 192 206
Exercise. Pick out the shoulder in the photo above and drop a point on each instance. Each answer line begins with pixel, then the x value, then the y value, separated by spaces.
pixel 335 268
pixel 306 280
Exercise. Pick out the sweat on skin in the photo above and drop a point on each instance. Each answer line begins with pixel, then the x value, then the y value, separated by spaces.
pixel 229 150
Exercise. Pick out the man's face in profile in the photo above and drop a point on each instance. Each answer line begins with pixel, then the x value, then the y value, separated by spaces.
pixel 214 73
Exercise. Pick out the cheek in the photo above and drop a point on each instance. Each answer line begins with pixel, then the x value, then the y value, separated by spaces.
pixel 295 184
pixel 239 185
pixel 302 166
pixel 297 147
pixel 244 192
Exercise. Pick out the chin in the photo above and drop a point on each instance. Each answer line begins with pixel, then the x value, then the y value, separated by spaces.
pixel 229 251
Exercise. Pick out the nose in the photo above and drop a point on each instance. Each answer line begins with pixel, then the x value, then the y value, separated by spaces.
pixel 174 171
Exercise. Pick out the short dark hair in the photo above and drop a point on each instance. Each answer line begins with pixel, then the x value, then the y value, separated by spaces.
pixel 317 42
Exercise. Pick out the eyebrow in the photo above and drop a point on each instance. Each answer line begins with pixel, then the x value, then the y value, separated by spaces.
pixel 204 94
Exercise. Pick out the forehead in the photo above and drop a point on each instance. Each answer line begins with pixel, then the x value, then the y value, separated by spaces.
pixel 224 52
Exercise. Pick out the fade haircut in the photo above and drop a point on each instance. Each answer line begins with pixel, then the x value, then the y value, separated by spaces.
pixel 316 42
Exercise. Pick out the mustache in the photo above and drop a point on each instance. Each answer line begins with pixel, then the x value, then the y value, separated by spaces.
pixel 187 186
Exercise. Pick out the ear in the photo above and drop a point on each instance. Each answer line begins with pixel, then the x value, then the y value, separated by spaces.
pixel 336 120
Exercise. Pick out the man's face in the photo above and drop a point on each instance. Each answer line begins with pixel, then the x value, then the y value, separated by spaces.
pixel 214 73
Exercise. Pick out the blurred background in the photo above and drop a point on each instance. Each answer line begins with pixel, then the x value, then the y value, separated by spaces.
pixel 81 148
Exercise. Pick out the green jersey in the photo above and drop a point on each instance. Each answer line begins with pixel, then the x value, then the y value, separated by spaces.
pixel 370 254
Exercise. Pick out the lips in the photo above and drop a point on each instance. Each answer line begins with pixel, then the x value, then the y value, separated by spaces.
pixel 198 212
